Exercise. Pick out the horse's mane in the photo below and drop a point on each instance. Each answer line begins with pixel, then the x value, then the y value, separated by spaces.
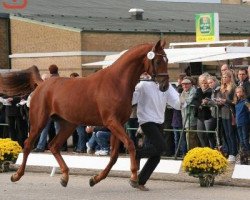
pixel 19 83
pixel 133 51
pixel 122 60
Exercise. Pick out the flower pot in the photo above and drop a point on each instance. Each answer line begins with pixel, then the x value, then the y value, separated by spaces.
pixel 206 180
pixel 5 166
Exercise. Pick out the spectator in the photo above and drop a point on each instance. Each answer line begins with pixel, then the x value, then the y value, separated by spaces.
pixel 224 68
pixel 43 137
pixel 244 82
pixel 214 84
pixel 2 120
pixel 187 112
pixel 74 75
pixel 227 112
pixel 180 79
pixel 205 121
pixel 82 139
pixel 99 141
pixel 14 120
pixel 91 145
pixel 53 70
pixel 242 119
pixel 177 124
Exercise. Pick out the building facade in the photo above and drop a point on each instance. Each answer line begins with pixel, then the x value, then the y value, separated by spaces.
pixel 66 40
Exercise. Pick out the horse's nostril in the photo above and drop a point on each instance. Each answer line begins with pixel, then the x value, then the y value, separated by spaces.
pixel 163 88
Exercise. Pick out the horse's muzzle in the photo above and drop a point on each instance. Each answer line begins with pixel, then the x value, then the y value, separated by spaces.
pixel 163 87
pixel 163 83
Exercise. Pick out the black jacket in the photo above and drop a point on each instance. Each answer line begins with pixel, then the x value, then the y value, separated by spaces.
pixel 202 112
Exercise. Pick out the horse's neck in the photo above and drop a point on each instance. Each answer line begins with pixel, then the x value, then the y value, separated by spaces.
pixel 131 66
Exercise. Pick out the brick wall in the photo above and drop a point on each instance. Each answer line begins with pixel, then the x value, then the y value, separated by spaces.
pixel 30 37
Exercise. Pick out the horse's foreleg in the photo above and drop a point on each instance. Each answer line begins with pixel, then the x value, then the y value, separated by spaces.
pixel 28 145
pixel 118 131
pixel 66 129
pixel 115 144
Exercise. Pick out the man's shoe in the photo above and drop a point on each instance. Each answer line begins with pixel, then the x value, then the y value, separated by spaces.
pixel 37 150
pixel 103 153
pixel 142 188
pixel 136 185
pixel 89 150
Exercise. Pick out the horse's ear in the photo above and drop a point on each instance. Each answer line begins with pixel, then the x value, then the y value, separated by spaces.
pixel 159 45
pixel 163 43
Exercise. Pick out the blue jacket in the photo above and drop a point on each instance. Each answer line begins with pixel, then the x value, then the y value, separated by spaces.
pixel 242 113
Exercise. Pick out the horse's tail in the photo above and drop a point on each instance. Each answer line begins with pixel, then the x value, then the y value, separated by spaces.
pixel 19 83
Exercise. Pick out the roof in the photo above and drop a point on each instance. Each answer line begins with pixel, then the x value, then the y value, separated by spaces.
pixel 113 15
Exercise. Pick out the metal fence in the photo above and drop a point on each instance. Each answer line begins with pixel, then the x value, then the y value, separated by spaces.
pixel 216 131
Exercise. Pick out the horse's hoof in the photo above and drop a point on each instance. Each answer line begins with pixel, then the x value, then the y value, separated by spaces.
pixel 133 183
pixel 92 181
pixel 14 178
pixel 63 182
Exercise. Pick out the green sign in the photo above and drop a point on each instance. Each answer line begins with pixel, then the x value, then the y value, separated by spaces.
pixel 207 27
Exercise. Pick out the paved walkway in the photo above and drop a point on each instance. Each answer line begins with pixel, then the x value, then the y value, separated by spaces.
pixel 224 179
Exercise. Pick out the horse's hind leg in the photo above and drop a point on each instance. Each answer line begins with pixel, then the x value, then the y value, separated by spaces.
pixel 28 145
pixel 66 129
pixel 115 144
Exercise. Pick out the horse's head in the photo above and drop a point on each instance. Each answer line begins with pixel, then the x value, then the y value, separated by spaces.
pixel 157 65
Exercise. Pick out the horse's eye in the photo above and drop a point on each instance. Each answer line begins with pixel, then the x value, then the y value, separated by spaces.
pixel 158 62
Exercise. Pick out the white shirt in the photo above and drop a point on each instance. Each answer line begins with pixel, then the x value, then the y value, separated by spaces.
pixel 151 102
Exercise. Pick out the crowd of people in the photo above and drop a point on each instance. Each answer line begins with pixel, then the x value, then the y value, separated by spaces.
pixel 213 113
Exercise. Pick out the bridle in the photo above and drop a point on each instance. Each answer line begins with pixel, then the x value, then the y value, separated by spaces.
pixel 152 59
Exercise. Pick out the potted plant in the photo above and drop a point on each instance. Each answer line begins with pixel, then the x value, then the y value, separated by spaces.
pixel 204 163
pixel 9 151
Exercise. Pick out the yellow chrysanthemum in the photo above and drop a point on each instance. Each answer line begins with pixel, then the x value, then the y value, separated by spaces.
pixel 204 160
pixel 9 149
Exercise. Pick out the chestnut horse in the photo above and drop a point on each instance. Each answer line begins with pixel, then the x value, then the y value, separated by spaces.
pixel 103 98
